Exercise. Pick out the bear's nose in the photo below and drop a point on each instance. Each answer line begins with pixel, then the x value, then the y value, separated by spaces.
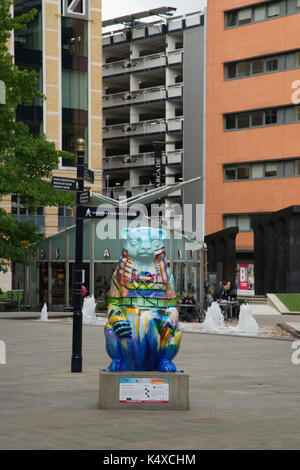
pixel 145 245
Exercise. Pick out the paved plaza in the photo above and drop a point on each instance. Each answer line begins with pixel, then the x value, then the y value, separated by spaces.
pixel 244 394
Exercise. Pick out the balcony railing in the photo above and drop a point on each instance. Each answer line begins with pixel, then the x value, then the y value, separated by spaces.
pixel 175 124
pixel 175 57
pixel 174 157
pixel 135 65
pixel 135 97
pixel 153 126
pixel 175 91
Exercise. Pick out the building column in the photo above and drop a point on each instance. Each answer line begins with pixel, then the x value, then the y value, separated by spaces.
pixel 95 89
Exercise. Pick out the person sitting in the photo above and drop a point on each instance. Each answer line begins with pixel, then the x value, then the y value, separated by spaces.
pixel 186 313
pixel 209 297
pixel 230 294
pixel 219 291
pixel 225 295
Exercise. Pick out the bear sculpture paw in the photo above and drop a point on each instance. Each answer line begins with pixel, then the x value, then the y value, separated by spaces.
pixel 117 365
pixel 166 365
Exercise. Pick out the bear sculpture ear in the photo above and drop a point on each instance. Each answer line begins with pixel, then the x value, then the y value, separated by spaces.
pixel 162 234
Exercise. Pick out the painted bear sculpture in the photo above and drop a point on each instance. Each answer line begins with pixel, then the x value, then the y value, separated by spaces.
pixel 142 331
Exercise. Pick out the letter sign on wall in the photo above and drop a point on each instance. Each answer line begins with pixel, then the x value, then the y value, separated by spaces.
pixel 244 277
pixel 76 9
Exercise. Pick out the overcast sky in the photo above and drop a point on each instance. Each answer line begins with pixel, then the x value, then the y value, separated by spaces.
pixel 115 8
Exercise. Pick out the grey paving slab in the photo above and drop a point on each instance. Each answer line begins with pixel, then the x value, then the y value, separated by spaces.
pixel 244 394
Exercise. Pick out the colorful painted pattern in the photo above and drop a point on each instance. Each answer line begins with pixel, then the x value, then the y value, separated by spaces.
pixel 142 331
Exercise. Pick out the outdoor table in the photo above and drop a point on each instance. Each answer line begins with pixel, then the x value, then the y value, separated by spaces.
pixel 227 306
pixel 191 306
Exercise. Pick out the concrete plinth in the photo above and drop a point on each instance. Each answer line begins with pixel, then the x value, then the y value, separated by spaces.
pixel 144 390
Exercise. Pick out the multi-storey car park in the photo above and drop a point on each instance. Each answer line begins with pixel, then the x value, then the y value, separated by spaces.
pixel 153 72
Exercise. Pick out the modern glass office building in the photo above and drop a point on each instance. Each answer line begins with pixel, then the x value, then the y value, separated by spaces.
pixel 63 44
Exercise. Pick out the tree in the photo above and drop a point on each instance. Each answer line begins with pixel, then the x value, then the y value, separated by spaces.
pixel 26 163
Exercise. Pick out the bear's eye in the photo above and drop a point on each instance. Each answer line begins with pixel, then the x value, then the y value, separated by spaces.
pixel 133 243
pixel 156 244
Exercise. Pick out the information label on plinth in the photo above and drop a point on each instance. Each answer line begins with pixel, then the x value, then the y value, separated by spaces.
pixel 144 390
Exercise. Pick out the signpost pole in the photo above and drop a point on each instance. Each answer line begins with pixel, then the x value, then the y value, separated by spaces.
pixel 76 365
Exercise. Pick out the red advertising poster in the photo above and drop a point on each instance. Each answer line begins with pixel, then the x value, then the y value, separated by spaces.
pixel 244 280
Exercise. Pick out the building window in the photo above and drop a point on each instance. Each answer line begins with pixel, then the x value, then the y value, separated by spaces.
pixel 260 13
pixel 271 65
pixel 270 170
pixel 273 9
pixel 242 221
pixel 271 116
pixel 245 16
pixel 230 221
pixel 74 89
pixel 74 37
pixel 257 118
pixel 230 173
pixel 231 19
pixel 244 69
pixel 231 121
pixel 231 71
pixel 257 170
pixel 25 214
pixel 31 37
pixel 66 217
pixel 258 66
pixel 243 120
pixel 243 172
pixel 70 133
pixel 263 12
pixel 297 113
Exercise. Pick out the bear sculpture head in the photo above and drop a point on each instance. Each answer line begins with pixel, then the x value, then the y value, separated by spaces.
pixel 142 243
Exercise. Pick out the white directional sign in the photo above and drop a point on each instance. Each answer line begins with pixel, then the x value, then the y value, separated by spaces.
pixel 64 184
pixel 84 197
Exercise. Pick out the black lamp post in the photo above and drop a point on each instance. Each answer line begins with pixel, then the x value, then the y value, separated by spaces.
pixel 76 365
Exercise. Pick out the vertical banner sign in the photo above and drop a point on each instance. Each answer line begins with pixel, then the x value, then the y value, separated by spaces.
pixel 244 281
pixel 158 164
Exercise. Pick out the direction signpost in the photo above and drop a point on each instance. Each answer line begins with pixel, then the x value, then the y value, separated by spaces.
pixel 82 197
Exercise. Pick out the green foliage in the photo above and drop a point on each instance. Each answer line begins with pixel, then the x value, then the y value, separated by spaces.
pixel 26 163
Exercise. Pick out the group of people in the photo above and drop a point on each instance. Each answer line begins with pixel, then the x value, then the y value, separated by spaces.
pixel 224 291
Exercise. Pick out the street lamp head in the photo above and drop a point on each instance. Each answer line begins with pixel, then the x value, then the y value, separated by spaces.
pixel 80 144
